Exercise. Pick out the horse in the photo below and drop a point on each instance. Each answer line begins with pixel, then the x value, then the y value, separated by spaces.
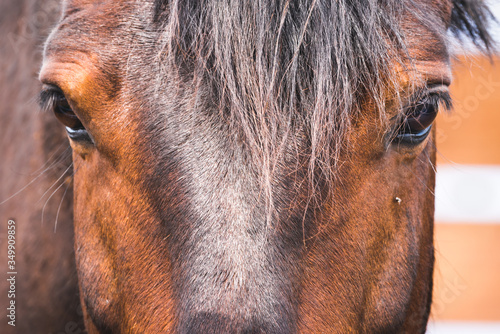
pixel 253 167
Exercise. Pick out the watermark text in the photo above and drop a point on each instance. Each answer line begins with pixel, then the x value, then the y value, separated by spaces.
pixel 11 272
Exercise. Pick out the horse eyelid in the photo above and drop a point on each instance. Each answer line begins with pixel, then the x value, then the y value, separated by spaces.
pixel 439 98
pixel 48 97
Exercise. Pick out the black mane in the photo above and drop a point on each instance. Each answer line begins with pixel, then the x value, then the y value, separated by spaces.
pixel 471 17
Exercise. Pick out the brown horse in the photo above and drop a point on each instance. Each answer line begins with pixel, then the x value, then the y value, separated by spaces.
pixel 254 167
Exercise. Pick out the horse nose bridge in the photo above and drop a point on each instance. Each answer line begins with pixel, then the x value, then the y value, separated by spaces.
pixel 235 278
pixel 202 323
pixel 228 275
pixel 232 271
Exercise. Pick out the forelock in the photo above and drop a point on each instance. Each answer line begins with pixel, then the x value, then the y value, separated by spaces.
pixel 276 67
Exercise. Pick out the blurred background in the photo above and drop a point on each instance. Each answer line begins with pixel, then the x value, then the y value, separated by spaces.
pixel 467 234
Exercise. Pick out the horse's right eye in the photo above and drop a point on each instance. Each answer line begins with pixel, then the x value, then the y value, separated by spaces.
pixel 53 98
pixel 64 113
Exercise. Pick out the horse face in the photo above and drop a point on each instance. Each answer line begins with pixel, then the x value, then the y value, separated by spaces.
pixel 174 230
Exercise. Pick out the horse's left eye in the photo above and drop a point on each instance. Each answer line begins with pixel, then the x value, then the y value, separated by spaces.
pixel 417 124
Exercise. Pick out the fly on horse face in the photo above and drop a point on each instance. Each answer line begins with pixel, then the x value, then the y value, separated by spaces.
pixel 254 166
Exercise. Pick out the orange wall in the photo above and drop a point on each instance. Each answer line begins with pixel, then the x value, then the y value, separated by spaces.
pixel 467 276
pixel 470 134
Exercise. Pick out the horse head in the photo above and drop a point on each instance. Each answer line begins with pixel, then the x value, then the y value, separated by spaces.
pixel 254 166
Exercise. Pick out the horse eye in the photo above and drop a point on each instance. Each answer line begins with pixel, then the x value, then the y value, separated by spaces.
pixel 417 124
pixel 63 112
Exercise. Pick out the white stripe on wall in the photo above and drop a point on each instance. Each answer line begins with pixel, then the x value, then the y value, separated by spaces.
pixel 463 327
pixel 468 194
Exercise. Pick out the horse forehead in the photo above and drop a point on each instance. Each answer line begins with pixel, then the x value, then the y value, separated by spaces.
pixel 91 32
pixel 106 11
pixel 79 4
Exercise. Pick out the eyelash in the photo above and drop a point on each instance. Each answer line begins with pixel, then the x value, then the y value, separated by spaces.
pixel 48 98
pixel 436 99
